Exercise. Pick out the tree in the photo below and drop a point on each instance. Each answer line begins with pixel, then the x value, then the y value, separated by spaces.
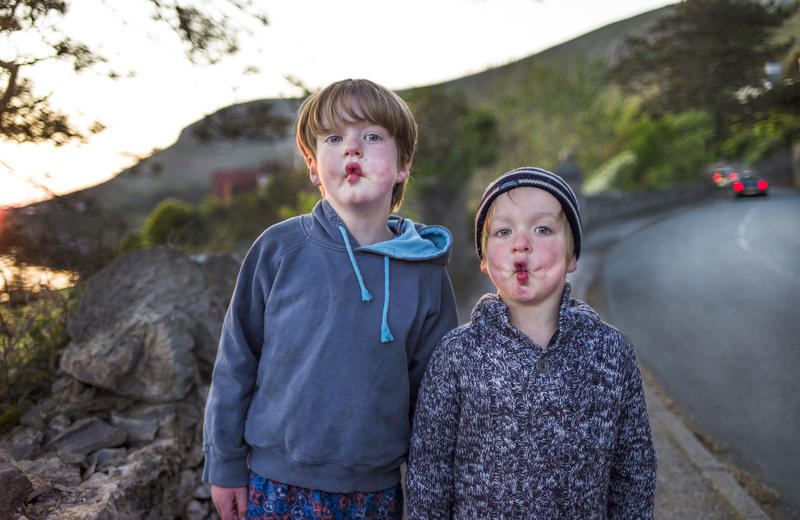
pixel 704 55
pixel 455 139
pixel 30 34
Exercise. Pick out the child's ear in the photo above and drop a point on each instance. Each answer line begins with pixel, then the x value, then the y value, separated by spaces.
pixel 311 164
pixel 572 265
pixel 403 173
pixel 484 269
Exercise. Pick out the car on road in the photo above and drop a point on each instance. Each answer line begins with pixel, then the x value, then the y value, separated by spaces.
pixel 723 177
pixel 750 184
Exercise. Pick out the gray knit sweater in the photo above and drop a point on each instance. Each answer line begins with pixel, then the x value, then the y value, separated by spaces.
pixel 505 429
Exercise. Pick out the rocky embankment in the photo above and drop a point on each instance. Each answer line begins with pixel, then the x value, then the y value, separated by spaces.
pixel 120 435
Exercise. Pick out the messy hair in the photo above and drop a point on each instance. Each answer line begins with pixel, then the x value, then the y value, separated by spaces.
pixel 359 100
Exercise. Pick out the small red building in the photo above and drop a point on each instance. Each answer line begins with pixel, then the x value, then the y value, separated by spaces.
pixel 226 183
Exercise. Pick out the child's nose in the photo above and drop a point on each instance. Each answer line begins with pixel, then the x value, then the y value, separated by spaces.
pixel 352 146
pixel 521 244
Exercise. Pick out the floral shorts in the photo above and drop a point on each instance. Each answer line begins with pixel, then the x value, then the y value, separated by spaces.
pixel 270 500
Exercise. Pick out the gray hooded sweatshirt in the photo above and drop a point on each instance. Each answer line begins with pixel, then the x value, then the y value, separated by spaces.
pixel 322 352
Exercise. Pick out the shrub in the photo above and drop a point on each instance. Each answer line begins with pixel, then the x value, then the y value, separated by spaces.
pixel 131 242
pixel 615 174
pixel 32 336
pixel 669 150
pixel 167 223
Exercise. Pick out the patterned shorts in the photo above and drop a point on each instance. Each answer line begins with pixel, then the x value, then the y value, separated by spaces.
pixel 270 500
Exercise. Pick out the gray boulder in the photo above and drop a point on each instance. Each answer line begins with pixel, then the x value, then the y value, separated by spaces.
pixel 140 429
pixel 87 435
pixel 23 442
pixel 52 470
pixel 14 486
pixel 143 323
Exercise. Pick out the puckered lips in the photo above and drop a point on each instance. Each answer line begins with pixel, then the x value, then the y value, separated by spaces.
pixel 352 171
pixel 521 269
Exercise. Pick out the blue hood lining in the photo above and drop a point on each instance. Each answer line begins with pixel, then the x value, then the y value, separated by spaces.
pixel 411 243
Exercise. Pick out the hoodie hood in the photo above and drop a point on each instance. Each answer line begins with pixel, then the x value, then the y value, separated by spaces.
pixel 412 241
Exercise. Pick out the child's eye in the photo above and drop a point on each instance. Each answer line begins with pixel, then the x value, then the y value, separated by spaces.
pixel 542 230
pixel 373 137
pixel 333 139
pixel 502 232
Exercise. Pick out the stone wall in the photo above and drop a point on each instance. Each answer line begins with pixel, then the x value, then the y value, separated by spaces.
pixel 597 209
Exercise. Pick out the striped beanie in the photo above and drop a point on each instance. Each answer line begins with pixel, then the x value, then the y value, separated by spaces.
pixel 535 178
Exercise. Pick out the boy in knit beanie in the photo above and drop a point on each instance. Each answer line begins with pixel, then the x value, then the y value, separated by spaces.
pixel 535 408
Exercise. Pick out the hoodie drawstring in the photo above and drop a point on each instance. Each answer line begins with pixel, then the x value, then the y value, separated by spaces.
pixel 365 295
pixel 386 334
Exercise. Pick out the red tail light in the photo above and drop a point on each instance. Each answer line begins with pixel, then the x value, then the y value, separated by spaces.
pixel 733 176
pixel 738 186
pixel 762 185
pixel 717 177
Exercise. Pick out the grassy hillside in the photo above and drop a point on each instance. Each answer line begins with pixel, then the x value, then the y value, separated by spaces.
pixel 491 86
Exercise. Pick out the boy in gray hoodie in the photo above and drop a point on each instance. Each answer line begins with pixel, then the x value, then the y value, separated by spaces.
pixel 535 409
pixel 332 321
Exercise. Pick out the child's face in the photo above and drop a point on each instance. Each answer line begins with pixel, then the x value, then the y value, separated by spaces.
pixel 357 165
pixel 526 247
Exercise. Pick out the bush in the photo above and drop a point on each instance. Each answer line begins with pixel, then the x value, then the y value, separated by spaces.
pixel 753 142
pixel 131 242
pixel 32 336
pixel 616 174
pixel 167 223
pixel 669 150
pixel 223 225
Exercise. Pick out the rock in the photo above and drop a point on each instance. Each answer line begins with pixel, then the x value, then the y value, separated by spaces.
pixel 140 430
pixel 188 482
pixel 195 456
pixel 197 510
pixel 59 423
pixel 14 486
pixel 221 271
pixel 175 420
pixel 91 401
pixel 33 417
pixel 147 356
pixel 202 492
pixel 52 470
pixel 123 425
pixel 141 325
pixel 23 442
pixel 87 435
pixel 66 384
pixel 106 457
pixel 146 486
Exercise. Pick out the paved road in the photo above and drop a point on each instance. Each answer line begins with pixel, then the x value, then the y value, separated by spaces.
pixel 710 298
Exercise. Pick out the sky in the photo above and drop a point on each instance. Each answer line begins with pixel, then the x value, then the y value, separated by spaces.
pixel 397 44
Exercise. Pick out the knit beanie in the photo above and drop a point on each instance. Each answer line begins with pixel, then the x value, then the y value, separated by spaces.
pixel 536 178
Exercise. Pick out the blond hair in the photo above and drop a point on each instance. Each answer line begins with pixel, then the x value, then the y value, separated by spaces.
pixel 359 100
